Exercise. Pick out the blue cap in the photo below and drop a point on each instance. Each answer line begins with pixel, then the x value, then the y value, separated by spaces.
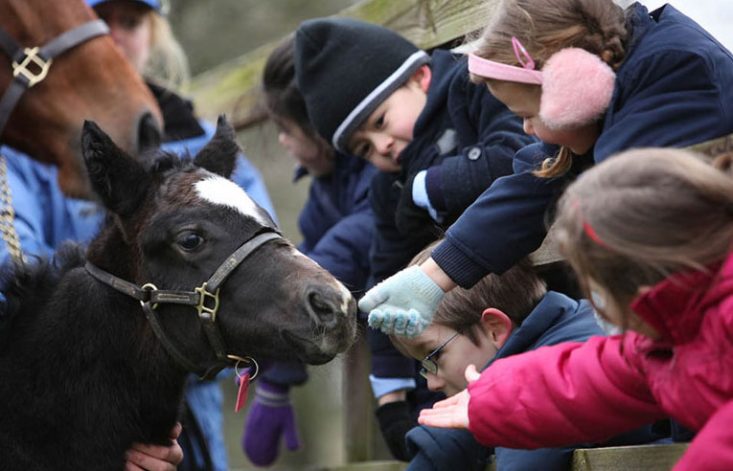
pixel 157 5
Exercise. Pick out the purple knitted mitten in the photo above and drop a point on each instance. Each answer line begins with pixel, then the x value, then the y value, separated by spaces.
pixel 271 416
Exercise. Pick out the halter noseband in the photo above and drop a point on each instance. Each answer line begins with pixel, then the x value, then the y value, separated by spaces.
pixel 205 299
pixel 30 64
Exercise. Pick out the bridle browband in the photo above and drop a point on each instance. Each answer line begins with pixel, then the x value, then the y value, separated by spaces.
pixel 205 299
pixel 30 64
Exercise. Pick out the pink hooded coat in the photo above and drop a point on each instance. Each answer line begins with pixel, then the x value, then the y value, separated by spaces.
pixel 590 391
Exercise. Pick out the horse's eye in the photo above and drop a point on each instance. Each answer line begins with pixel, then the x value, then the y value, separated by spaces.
pixel 189 241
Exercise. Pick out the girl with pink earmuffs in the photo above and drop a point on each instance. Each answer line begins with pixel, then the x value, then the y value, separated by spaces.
pixel 590 79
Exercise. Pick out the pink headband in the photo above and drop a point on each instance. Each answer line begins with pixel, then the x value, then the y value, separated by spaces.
pixel 577 86
pixel 496 70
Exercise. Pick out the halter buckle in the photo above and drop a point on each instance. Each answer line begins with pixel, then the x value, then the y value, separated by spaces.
pixel 204 311
pixel 32 60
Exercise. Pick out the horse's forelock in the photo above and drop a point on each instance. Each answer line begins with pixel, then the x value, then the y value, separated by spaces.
pixel 159 162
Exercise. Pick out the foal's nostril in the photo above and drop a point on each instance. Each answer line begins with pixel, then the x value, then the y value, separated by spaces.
pixel 323 310
pixel 148 133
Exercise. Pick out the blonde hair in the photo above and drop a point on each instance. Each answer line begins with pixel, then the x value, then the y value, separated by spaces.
pixel 167 64
pixel 546 26
pixel 643 215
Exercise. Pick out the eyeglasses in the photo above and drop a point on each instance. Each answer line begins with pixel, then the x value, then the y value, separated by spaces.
pixel 428 364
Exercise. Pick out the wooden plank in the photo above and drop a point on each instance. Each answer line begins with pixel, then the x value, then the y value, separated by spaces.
pixel 233 87
pixel 370 466
pixel 628 458
pixel 359 421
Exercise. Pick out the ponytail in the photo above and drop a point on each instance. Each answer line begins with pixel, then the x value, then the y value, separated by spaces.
pixel 556 166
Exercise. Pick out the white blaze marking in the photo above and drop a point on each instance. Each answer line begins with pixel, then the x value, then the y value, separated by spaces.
pixel 219 190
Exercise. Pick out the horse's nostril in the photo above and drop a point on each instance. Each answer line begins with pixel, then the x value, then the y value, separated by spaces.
pixel 323 310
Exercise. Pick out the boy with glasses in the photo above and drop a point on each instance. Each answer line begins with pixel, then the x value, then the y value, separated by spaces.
pixel 500 316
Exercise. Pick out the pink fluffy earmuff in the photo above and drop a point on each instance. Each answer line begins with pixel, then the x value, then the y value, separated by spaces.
pixel 577 86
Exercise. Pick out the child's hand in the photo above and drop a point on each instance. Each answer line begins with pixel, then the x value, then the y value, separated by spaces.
pixel 403 304
pixel 156 457
pixel 451 412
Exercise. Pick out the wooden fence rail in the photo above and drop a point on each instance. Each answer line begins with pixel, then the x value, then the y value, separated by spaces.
pixel 233 87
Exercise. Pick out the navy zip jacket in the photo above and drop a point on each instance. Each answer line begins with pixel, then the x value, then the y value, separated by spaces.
pixel 673 89
pixel 555 319
pixel 337 225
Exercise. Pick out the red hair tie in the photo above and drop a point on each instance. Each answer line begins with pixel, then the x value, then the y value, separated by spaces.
pixel 587 228
pixel 593 235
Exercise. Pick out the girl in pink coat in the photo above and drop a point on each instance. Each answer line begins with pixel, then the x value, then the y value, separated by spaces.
pixel 650 234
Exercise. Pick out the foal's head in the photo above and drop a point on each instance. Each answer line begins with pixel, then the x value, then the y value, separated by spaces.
pixel 174 222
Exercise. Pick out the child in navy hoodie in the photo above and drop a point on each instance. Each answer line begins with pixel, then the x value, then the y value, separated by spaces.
pixel 438 140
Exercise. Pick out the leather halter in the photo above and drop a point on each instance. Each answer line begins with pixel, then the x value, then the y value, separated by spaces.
pixel 30 64
pixel 205 299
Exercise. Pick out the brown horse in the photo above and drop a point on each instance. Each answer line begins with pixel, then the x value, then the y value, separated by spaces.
pixel 88 80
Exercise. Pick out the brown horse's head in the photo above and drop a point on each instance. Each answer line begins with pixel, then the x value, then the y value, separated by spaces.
pixel 178 223
pixel 90 81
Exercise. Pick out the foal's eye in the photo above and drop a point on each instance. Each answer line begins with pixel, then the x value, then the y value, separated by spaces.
pixel 189 241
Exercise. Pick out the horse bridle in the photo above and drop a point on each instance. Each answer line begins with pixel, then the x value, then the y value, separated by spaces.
pixel 205 299
pixel 30 64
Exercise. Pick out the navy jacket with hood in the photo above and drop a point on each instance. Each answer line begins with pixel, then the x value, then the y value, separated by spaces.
pixel 555 319
pixel 673 89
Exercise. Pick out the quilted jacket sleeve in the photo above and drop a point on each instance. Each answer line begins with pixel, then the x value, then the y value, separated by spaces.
pixel 712 448
pixel 567 393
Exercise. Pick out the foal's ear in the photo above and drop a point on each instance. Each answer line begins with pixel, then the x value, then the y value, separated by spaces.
pixel 220 154
pixel 120 181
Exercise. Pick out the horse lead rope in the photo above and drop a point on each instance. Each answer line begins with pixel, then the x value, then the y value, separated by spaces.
pixel 7 216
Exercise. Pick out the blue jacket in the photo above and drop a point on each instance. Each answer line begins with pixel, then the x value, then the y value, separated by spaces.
pixel 673 90
pixel 337 225
pixel 555 319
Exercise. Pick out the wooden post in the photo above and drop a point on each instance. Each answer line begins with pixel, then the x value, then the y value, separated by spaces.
pixel 359 421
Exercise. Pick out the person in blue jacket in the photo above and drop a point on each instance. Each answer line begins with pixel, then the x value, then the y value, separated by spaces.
pixel 500 316
pixel 626 78
pixel 337 226
pixel 438 140
pixel 45 217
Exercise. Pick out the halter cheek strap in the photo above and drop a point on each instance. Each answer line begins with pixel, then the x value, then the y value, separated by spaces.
pixel 30 65
pixel 205 299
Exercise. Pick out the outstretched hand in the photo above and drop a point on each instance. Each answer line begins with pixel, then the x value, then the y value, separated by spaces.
pixel 143 457
pixel 451 412
pixel 403 304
